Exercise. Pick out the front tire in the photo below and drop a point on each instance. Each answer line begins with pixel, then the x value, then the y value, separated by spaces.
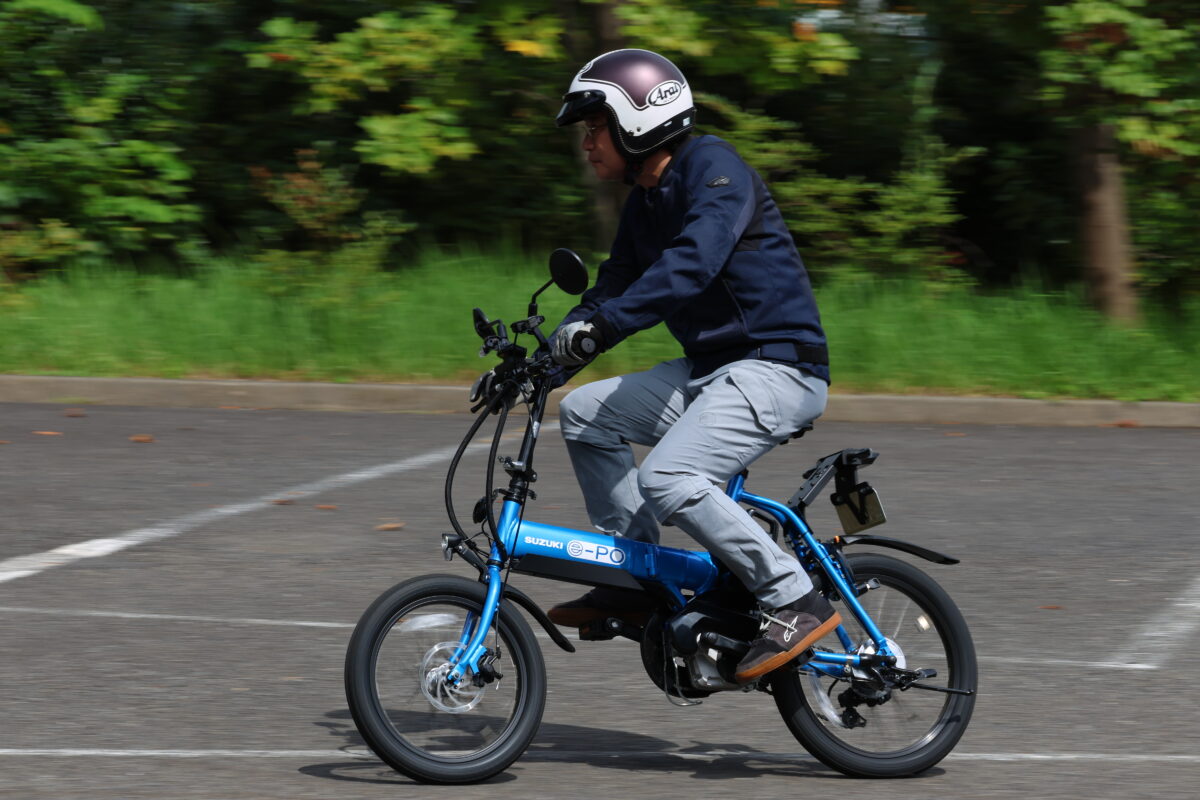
pixel 909 731
pixel 415 722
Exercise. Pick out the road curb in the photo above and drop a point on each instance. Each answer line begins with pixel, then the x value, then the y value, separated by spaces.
pixel 421 398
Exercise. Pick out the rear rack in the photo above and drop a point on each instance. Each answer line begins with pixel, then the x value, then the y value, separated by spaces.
pixel 842 465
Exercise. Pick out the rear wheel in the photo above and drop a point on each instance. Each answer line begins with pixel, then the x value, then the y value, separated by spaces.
pixel 407 712
pixel 858 725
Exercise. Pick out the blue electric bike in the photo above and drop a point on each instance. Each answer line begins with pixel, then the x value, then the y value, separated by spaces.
pixel 446 681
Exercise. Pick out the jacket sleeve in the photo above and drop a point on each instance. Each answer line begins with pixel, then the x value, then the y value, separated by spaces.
pixel 614 275
pixel 721 204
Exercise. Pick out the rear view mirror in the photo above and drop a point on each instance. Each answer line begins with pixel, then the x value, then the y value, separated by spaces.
pixel 567 271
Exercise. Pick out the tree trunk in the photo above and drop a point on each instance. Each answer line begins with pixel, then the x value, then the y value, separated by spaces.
pixel 1108 259
pixel 608 196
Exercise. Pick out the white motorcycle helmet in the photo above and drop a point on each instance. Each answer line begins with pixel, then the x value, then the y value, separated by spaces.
pixel 645 97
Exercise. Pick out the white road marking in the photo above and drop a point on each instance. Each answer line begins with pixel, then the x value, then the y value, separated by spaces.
pixel 24 566
pixel 83 752
pixel 1186 758
pixel 1066 662
pixel 551 753
pixel 71 612
pixel 1156 640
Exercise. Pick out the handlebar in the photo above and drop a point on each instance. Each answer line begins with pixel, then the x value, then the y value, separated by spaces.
pixel 518 371
pixel 495 339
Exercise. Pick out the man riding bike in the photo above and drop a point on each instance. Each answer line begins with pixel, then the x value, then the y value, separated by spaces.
pixel 702 247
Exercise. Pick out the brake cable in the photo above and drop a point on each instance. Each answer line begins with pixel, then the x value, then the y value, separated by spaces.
pixel 462 447
pixel 491 473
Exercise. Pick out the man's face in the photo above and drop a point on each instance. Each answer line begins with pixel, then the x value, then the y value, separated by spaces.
pixel 598 146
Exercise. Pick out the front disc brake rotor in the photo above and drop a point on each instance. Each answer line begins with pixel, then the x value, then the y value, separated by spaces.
pixel 441 694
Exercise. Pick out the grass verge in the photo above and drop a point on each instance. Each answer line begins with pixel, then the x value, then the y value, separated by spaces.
pixel 231 321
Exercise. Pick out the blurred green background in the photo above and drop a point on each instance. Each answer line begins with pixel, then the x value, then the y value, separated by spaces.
pixel 992 197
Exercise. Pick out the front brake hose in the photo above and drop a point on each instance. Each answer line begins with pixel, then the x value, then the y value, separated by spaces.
pixel 454 467
pixel 491 472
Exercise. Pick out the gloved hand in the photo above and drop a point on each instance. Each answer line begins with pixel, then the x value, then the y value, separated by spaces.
pixel 575 344
pixel 488 384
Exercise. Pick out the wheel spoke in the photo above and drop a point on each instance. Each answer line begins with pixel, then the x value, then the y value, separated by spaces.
pixel 891 732
pixel 900 622
pixel 398 668
pixel 439 718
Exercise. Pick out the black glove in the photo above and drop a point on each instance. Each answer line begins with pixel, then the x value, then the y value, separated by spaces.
pixel 488 385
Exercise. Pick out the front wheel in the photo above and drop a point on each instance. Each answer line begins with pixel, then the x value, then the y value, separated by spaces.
pixel 410 716
pixel 857 724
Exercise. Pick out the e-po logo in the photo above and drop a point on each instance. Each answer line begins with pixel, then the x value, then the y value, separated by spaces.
pixel 664 93
pixel 602 554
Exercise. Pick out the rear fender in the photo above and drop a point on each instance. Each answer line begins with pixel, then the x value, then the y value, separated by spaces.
pixel 896 544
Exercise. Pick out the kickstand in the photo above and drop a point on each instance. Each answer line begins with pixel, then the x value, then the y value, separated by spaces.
pixel 679 701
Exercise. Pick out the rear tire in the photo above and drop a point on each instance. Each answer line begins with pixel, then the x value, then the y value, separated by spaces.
pixel 413 721
pixel 912 730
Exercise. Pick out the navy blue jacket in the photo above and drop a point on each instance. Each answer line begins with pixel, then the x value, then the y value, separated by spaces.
pixel 707 252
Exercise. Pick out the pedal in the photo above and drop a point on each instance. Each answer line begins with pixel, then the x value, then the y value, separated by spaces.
pixel 611 628
pixel 596 631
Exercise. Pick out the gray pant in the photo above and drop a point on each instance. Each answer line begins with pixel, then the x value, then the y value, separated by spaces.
pixel 704 431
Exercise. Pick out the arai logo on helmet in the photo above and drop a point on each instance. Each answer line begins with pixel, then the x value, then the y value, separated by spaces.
pixel 664 93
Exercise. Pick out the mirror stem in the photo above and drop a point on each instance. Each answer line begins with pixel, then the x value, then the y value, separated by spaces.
pixel 533 300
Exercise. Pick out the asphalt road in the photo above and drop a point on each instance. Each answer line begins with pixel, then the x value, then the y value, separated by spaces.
pixel 190 645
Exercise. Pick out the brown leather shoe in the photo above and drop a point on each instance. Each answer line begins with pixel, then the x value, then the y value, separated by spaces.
pixel 787 633
pixel 601 603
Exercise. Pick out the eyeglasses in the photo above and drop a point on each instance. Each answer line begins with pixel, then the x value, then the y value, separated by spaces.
pixel 591 131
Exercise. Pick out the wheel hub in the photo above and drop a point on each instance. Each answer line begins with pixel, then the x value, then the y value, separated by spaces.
pixel 868 649
pixel 433 675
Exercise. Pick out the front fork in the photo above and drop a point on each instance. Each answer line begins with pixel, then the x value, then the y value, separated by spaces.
pixel 471 642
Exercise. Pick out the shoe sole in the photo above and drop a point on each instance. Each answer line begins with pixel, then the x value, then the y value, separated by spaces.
pixel 778 660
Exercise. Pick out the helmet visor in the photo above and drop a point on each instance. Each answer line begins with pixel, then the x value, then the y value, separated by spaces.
pixel 577 105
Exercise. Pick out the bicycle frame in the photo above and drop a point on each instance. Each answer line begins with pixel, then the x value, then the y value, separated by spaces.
pixel 595 558
pixel 598 559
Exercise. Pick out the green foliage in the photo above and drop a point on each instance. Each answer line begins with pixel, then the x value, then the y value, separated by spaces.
pixel 759 41
pixel 134 131
pixel 1131 62
pixel 340 253
pixel 79 143
pixel 1163 202
pixel 421 60
pixel 450 101
pixel 1136 65
pixel 66 10
pixel 852 227
pixel 885 335
pixel 455 102
pixel 27 247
